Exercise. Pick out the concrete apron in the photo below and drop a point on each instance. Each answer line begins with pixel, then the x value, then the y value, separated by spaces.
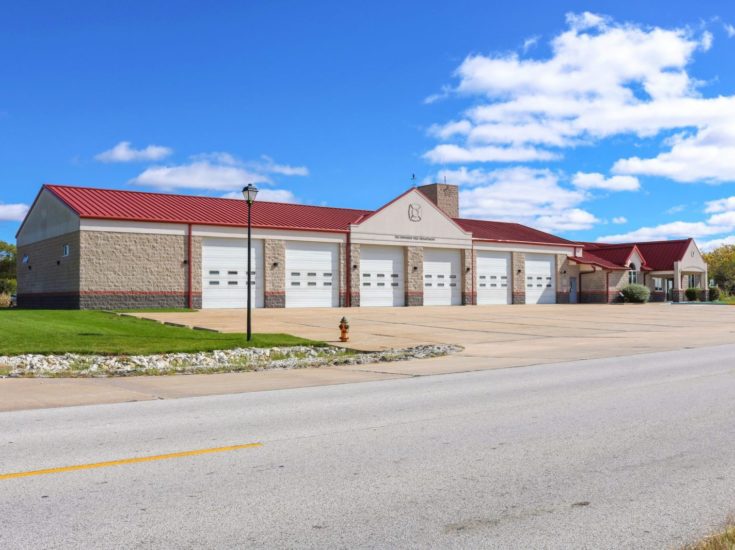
pixel 492 337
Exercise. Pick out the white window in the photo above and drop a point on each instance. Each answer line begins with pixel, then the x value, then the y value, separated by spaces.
pixel 632 275
pixel 658 284
pixel 65 250
pixel 693 281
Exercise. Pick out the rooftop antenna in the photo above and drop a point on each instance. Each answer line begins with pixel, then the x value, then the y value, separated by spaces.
pixel 445 180
pixel 413 179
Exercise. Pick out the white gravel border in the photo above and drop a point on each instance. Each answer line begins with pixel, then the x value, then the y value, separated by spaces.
pixel 234 360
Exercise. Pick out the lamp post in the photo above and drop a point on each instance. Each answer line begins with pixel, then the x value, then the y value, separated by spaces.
pixel 249 192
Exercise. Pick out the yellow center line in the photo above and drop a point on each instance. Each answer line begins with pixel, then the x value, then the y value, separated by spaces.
pixel 129 461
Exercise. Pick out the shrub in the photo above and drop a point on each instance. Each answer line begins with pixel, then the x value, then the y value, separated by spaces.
pixel 4 300
pixel 714 293
pixel 638 294
pixel 8 286
pixel 692 294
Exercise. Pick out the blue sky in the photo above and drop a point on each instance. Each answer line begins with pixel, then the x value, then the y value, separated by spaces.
pixel 616 124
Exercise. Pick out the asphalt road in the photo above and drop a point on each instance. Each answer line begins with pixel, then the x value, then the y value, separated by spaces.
pixel 636 452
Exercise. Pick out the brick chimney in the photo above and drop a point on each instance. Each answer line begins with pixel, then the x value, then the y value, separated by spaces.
pixel 445 196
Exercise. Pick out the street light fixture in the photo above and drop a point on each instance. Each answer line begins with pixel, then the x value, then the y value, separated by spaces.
pixel 249 192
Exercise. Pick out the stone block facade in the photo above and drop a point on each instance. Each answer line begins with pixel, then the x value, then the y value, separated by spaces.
pixel 274 273
pixel 414 270
pixel 593 287
pixel 518 266
pixel 469 268
pixel 354 267
pixel 564 271
pixel 133 270
pixel 445 196
pixel 49 279
pixel 342 275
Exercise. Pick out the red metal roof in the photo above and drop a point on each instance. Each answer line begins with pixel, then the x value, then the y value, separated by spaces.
pixel 113 204
pixel 509 232
pixel 592 259
pixel 657 255
pixel 160 207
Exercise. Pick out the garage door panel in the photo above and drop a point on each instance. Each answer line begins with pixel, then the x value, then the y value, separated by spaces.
pixel 442 278
pixel 382 276
pixel 312 274
pixel 224 273
pixel 493 278
pixel 540 279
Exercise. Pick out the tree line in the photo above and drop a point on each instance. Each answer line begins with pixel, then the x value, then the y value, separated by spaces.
pixel 721 267
pixel 8 253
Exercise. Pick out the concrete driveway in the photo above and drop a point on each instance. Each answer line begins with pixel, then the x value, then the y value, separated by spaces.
pixel 493 336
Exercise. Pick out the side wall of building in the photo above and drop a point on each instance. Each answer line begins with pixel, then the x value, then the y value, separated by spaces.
pixel 47 278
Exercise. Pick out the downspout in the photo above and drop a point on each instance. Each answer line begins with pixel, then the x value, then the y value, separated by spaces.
pixel 189 290
pixel 607 287
pixel 348 272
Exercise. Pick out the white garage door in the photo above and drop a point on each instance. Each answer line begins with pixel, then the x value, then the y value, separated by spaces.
pixel 442 277
pixel 381 276
pixel 540 279
pixel 224 273
pixel 312 274
pixel 493 278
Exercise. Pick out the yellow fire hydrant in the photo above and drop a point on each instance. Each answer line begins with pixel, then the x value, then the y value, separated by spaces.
pixel 344 327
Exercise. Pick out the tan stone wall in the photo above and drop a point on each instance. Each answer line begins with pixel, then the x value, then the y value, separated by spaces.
pixel 274 273
pixel 354 267
pixel 445 196
pixel 619 280
pixel 564 270
pixel 469 268
pixel 593 287
pixel 342 262
pixel 138 262
pixel 518 265
pixel 414 271
pixel 49 273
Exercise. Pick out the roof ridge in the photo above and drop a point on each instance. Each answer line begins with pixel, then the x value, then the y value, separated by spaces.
pixel 184 195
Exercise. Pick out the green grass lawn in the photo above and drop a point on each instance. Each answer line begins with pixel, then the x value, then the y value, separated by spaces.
pixel 727 300
pixel 57 331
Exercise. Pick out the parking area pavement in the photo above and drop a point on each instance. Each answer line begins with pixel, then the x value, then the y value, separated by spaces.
pixel 492 336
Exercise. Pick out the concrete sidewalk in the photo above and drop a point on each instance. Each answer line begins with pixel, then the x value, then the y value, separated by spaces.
pixel 493 337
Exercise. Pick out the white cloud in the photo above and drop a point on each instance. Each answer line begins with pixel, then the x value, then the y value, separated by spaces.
pixel 201 174
pixel 673 230
pixel 594 180
pixel 268 165
pixel 729 29
pixel 602 79
pixel 217 171
pixel 123 152
pixel 620 220
pixel 707 246
pixel 448 153
pixel 708 156
pixel 530 196
pixel 530 42
pixel 720 205
pixel 13 212
pixel 676 209
pixel 720 223
pixel 267 195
